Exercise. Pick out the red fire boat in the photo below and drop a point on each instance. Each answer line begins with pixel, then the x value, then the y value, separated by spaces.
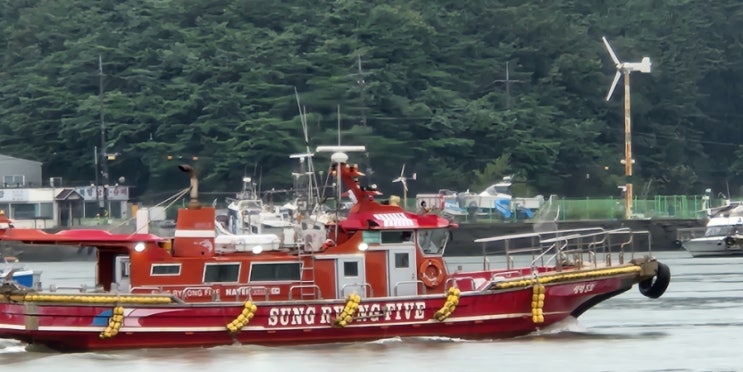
pixel 379 272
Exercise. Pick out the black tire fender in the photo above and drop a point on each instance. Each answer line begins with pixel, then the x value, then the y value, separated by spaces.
pixel 655 287
pixel 729 241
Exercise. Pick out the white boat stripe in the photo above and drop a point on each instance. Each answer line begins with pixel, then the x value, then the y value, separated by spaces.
pixel 195 233
pixel 360 324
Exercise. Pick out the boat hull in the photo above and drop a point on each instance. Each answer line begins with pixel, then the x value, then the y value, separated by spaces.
pixel 490 314
pixel 712 246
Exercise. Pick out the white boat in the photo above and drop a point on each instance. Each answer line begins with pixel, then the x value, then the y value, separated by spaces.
pixel 15 273
pixel 496 199
pixel 723 234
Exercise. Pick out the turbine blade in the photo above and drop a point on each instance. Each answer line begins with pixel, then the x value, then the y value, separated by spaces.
pixel 402 172
pixel 405 185
pixel 613 84
pixel 611 51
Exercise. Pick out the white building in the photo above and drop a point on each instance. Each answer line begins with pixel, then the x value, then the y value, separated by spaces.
pixel 29 203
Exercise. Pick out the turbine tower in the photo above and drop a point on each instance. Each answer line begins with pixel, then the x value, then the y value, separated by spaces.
pixel 625 68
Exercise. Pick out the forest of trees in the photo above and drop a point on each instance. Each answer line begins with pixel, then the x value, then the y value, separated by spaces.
pixel 420 83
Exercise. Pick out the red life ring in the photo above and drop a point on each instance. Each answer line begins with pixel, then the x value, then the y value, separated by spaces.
pixel 432 273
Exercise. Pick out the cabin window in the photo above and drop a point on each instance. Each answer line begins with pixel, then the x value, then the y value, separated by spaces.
pixel 371 237
pixel 221 273
pixel 350 269
pixel 275 272
pixel 402 260
pixel 433 241
pixel 722 230
pixel 397 236
pixel 169 269
pixel 125 269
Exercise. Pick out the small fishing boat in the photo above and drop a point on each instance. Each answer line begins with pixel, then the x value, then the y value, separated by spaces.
pixel 17 274
pixel 377 273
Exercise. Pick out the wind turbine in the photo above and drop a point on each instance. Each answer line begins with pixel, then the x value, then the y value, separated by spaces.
pixel 625 68
pixel 404 180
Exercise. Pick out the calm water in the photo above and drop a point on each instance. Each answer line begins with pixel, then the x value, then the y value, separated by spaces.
pixel 695 326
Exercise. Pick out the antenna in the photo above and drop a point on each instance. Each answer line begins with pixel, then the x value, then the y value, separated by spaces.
pixel 310 172
pixel 625 68
pixel 339 156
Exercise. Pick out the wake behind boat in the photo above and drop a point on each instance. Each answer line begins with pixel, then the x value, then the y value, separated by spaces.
pixel 375 274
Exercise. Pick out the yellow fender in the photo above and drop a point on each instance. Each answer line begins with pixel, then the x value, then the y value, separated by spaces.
pixel 114 323
pixel 537 303
pixel 97 299
pixel 452 300
pixel 352 306
pixel 248 312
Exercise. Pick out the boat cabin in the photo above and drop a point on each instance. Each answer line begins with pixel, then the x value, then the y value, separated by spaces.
pixel 396 258
pixel 377 250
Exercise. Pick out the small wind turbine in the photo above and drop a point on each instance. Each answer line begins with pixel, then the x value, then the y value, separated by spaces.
pixel 404 180
pixel 625 68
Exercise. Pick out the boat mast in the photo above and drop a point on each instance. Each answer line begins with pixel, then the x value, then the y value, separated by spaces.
pixel 306 158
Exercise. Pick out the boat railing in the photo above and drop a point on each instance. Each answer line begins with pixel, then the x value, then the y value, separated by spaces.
pixel 558 247
pixel 316 292
pixel 82 288
pixel 152 289
pixel 601 243
pixel 88 291
pixel 248 290
pixel 368 291
pixel 198 291
pixel 452 282
pixel 418 284
pixel 584 246
pixel 588 243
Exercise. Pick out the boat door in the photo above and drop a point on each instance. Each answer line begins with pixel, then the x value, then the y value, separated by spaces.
pixel 401 271
pixel 351 276
pixel 123 270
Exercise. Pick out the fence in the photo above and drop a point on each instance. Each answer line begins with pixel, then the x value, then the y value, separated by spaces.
pixel 612 208
pixel 661 206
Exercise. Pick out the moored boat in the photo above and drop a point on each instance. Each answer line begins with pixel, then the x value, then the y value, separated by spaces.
pixel 16 274
pixel 723 234
pixel 377 273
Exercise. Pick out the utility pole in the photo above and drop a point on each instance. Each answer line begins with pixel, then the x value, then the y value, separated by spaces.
pixel 96 160
pixel 628 161
pixel 508 81
pixel 104 148
pixel 361 82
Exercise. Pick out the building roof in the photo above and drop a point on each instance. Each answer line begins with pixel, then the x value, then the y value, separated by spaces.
pixel 11 158
pixel 69 195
